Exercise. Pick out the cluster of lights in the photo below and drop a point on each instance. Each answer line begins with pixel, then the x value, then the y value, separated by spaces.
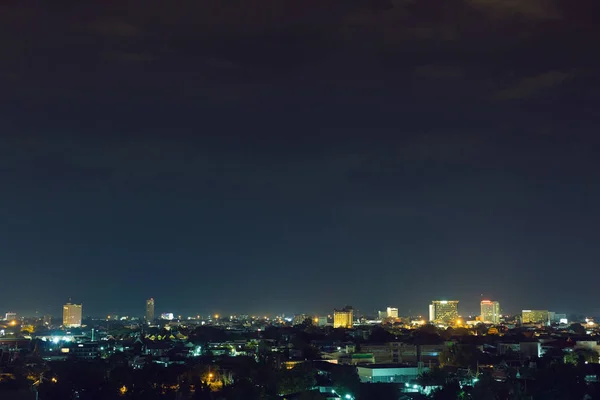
pixel 347 396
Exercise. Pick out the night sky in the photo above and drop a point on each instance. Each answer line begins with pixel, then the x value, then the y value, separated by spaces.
pixel 294 156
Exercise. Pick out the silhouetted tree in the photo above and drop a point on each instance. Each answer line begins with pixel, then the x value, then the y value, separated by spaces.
pixel 298 379
pixel 577 328
pixel 558 381
pixel 450 391
pixel 382 335
pixel 460 355
pixel 581 356
pixel 345 379
pixel 380 391
pixel 433 377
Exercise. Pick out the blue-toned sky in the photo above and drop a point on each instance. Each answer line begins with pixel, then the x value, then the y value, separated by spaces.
pixel 296 156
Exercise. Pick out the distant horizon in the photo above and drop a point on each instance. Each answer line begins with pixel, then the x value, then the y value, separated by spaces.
pixel 185 315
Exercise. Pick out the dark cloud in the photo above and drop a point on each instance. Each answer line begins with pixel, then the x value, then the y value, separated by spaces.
pixel 533 85
pixel 440 71
pixel 242 48
pixel 532 9
pixel 115 28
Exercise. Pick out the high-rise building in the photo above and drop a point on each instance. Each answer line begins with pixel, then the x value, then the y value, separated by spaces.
pixel 299 319
pixel 169 316
pixel 47 320
pixel 10 316
pixel 150 310
pixel 490 311
pixel 443 311
pixel 535 317
pixel 72 315
pixel 392 312
pixel 343 318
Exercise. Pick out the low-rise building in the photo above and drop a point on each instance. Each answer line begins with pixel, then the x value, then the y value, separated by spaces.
pixel 82 351
pixel 389 373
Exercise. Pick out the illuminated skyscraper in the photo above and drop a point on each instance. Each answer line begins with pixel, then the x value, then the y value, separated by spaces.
pixel 150 311
pixel 392 312
pixel 535 317
pixel 442 311
pixel 72 315
pixel 343 318
pixel 490 311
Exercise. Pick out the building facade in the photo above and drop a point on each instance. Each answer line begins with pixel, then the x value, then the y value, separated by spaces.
pixel 490 311
pixel 82 351
pixel 535 317
pixel 72 315
pixel 386 373
pixel 299 319
pixel 392 312
pixel 343 318
pixel 150 310
pixel 443 311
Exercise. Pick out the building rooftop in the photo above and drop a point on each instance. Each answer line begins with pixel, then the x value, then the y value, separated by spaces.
pixel 386 366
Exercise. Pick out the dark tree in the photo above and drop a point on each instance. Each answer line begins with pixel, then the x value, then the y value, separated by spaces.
pixel 345 380
pixel 577 328
pixel 380 391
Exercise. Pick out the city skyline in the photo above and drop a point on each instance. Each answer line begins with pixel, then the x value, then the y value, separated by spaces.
pixel 388 310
